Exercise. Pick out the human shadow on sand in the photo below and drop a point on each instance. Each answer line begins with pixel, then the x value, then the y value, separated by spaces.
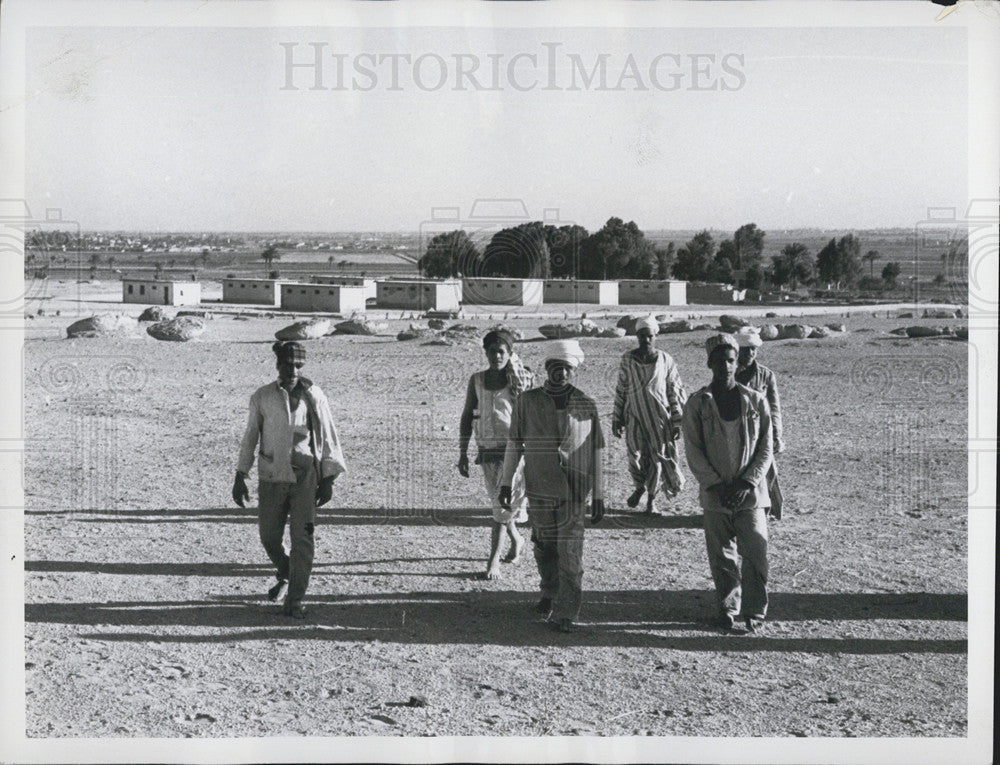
pixel 651 618
pixel 363 516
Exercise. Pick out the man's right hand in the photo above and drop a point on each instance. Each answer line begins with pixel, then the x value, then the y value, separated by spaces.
pixel 241 494
pixel 617 428
pixel 463 465
pixel 504 497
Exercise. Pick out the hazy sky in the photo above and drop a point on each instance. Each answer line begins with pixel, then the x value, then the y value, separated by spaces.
pixel 191 128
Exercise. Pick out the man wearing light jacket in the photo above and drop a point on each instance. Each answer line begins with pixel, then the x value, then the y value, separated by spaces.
pixel 728 442
pixel 300 457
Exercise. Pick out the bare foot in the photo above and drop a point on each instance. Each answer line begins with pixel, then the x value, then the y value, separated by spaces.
pixel 493 570
pixel 514 554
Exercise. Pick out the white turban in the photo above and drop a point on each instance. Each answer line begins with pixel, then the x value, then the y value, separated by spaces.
pixel 649 323
pixel 568 351
pixel 748 337
pixel 723 338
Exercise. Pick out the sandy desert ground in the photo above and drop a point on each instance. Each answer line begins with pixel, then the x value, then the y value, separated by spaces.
pixel 144 585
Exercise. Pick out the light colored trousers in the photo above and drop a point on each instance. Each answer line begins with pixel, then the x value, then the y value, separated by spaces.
pixel 493 478
pixel 557 534
pixel 294 503
pixel 730 537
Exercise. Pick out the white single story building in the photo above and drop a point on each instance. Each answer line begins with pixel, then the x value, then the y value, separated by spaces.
pixel 160 291
pixel 501 291
pixel 652 292
pixel 335 298
pixel 708 293
pixel 257 291
pixel 418 294
pixel 348 281
pixel 581 291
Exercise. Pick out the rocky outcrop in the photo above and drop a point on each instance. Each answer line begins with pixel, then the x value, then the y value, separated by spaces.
pixel 360 327
pixel 304 330
pixel 180 330
pixel 153 313
pixel 102 325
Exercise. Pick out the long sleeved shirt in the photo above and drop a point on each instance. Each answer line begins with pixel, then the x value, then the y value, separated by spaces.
pixel 707 448
pixel 271 423
pixel 761 379
pixel 561 447
pixel 652 394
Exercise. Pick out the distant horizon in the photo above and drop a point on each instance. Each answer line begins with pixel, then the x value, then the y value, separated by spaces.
pixel 942 226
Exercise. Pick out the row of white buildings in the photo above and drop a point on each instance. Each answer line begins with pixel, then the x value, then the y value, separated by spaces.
pixel 343 294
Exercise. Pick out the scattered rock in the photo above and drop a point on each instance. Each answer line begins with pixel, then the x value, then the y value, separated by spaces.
pixel 770 315
pixel 730 323
pixel 304 330
pixel 898 331
pixel 940 313
pixel 465 328
pixel 769 332
pixel 199 314
pixel 835 327
pixel 628 323
pixel 417 701
pixel 918 331
pixel 793 331
pixel 360 327
pixel 436 323
pixel 153 313
pixel 384 718
pixel 181 329
pixel 103 324
pixel 681 325
pixel 513 331
pixel 611 332
pixel 704 326
pixel 820 332
pixel 906 315
pixel 558 331
pixel 961 333
pixel 417 333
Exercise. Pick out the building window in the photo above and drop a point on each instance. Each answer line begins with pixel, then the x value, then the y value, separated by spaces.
pixel 130 289
pixel 142 289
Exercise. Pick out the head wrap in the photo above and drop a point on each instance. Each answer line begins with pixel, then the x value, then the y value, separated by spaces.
pixel 568 351
pixel 289 351
pixel 649 323
pixel 495 336
pixel 519 377
pixel 722 338
pixel 748 337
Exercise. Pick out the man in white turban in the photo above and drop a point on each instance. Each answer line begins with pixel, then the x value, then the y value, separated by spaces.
pixel 761 379
pixel 649 403
pixel 727 440
pixel 555 429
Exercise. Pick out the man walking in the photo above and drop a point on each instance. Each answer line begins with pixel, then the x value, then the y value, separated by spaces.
pixel 727 439
pixel 300 457
pixel 649 402
pixel 761 379
pixel 556 430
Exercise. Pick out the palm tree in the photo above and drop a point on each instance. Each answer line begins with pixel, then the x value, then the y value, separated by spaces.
pixel 871 256
pixel 270 255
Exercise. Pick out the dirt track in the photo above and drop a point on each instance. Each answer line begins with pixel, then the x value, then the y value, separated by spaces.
pixel 144 583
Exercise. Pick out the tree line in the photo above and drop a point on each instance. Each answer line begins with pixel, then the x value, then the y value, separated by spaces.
pixel 621 250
